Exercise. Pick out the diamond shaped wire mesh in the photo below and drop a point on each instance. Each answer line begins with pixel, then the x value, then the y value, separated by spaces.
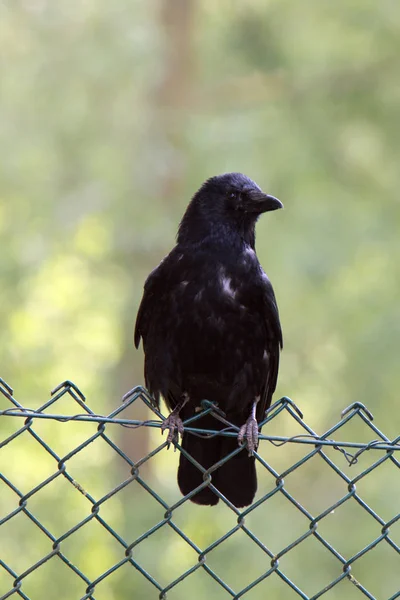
pixel 127 530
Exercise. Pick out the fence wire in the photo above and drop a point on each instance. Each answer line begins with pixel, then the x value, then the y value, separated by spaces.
pixel 14 579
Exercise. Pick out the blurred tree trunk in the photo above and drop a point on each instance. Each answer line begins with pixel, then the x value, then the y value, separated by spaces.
pixel 169 101
pixel 172 97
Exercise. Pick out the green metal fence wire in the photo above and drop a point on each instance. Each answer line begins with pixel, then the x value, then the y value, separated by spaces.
pixel 384 451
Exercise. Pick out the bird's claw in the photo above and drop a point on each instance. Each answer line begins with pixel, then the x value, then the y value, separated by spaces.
pixel 175 428
pixel 249 431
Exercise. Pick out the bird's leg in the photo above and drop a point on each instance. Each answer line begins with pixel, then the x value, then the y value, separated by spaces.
pixel 250 430
pixel 174 423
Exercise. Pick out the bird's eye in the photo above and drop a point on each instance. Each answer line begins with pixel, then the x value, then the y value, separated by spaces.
pixel 232 195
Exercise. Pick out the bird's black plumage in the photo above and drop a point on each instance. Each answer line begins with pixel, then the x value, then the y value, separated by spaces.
pixel 210 328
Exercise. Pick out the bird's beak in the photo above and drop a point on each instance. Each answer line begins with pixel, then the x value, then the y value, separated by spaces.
pixel 261 202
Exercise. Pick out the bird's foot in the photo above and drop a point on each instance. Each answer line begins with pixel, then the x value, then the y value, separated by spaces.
pixel 249 432
pixel 175 427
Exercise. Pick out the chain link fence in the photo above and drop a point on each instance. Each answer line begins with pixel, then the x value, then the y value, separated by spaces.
pixel 326 524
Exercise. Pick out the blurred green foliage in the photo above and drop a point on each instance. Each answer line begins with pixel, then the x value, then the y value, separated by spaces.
pixel 112 115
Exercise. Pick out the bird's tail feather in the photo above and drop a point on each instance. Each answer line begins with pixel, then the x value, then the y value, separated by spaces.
pixel 235 479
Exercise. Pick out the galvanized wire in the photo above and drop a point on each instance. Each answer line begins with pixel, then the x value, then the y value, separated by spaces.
pixel 317 444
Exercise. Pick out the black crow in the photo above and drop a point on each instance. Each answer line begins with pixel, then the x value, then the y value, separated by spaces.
pixel 210 328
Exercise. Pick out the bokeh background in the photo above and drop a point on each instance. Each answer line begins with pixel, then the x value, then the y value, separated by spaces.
pixel 111 115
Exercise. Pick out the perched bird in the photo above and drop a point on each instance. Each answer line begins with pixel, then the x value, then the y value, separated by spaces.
pixel 210 329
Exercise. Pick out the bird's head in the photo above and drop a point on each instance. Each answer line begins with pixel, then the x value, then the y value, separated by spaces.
pixel 228 203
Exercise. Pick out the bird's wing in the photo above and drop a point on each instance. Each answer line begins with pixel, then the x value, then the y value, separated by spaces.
pixel 160 281
pixel 143 315
pixel 273 346
pixel 152 289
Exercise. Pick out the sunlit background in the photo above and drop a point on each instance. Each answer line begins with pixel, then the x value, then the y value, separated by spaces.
pixel 112 114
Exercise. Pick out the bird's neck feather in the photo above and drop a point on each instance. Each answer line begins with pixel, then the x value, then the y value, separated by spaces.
pixel 199 232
